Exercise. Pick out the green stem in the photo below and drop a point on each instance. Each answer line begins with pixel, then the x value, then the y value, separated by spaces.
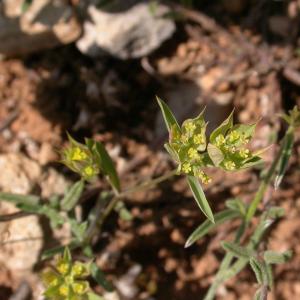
pixel 222 274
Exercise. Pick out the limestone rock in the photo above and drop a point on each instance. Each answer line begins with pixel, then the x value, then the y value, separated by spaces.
pixel 133 33
pixel 45 24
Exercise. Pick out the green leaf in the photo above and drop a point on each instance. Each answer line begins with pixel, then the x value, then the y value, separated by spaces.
pixel 275 212
pixel 19 199
pixel 257 268
pixel 236 250
pixel 93 296
pixel 59 250
pixel 207 226
pixel 272 257
pixel 78 229
pixel 169 118
pixel 285 156
pixel 223 128
pixel 72 196
pixel 215 154
pixel 269 274
pixel 172 153
pixel 99 277
pixel 67 255
pixel 236 205
pixel 200 197
pixel 106 165
pixel 247 131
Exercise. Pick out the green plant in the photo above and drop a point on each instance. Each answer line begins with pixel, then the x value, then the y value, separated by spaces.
pixel 193 152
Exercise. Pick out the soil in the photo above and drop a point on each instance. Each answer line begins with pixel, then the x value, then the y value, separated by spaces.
pixel 44 95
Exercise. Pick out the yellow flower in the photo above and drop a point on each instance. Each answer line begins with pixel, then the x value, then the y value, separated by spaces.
pixel 198 139
pixel 193 153
pixel 190 127
pixel 186 168
pixel 78 154
pixel 62 267
pixel 64 290
pixel 229 165
pixel 233 136
pixel 220 140
pixel 244 153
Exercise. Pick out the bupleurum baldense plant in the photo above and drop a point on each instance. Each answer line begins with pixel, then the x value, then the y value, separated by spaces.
pixel 193 151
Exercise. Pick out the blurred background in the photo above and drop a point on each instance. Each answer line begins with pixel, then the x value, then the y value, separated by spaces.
pixel 93 68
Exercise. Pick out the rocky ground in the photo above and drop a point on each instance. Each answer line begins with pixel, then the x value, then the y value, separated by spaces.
pixel 244 55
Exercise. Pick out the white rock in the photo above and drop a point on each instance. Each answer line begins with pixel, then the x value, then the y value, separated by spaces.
pixel 130 34
pixel 45 24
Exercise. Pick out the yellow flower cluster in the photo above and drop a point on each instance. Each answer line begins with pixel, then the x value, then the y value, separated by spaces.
pixel 65 281
pixel 79 159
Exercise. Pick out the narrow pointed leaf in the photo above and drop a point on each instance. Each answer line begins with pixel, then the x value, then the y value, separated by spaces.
pixel 19 199
pixel 99 277
pixel 223 128
pixel 286 154
pixel 236 250
pixel 200 197
pixel 72 196
pixel 169 118
pixel 269 274
pixel 257 269
pixel 107 166
pixel 207 226
pixel 272 257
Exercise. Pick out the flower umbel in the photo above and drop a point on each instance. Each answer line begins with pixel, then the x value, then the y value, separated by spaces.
pixel 66 280
pixel 80 159
pixel 187 145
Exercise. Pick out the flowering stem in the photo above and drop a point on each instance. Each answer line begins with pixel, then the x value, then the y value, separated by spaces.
pixel 223 274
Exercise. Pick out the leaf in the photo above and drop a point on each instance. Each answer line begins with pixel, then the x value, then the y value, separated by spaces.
pixel 236 205
pixel 251 162
pixel 215 154
pixel 206 226
pixel 93 296
pixel 262 272
pixel 257 269
pixel 169 118
pixel 269 274
pixel 246 130
pixel 172 153
pixel 272 257
pixel 72 196
pixel 19 199
pixel 78 229
pixel 106 164
pixel 200 197
pixel 275 212
pixel 99 277
pixel 236 250
pixel 285 156
pixel 223 128
pixel 57 250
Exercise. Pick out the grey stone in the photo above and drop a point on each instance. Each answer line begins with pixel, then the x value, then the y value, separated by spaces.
pixel 133 33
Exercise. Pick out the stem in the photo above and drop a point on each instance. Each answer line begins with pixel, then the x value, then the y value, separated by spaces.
pixel 223 274
pixel 101 217
pixel 263 186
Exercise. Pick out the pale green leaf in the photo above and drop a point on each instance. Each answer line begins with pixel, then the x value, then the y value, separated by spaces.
pixel 272 257
pixel 200 197
pixel 168 116
pixel 72 196
pixel 223 128
pixel 207 225
pixel 215 154
pixel 236 250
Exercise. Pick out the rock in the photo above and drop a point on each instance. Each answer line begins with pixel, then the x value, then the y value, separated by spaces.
pixel 133 33
pixel 45 24
pixel 21 175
